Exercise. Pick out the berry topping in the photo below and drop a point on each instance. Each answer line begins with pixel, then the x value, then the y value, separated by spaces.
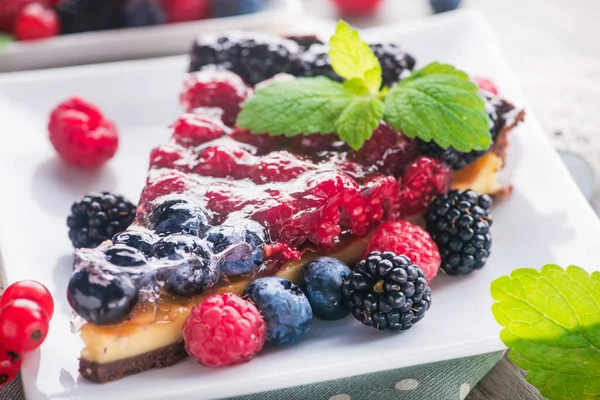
pixel 278 166
pixel 459 222
pixel 485 85
pixel 321 282
pixel 143 13
pixel 10 364
pixel 81 135
pixel 305 41
pixel 175 247
pixel 101 297
pixel 141 240
pixel 284 307
pixel 23 325
pixel 30 290
pixel 402 237
pixel 186 10
pixel 36 21
pixel 255 57
pixel 223 330
pixel 225 236
pixel 194 129
pixel 424 179
pixel 211 88
pixel 179 215
pixel 98 217
pixel 125 256
pixel 225 161
pixel 387 291
pixel 229 8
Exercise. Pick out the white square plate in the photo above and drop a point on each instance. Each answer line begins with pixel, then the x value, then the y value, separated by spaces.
pixel 134 43
pixel 545 221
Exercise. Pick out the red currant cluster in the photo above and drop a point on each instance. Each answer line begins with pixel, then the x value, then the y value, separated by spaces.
pixel 26 308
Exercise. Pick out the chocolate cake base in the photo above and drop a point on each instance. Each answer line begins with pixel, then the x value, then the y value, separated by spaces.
pixel 161 358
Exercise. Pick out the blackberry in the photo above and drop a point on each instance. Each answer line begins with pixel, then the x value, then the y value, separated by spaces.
pixel 98 217
pixel 459 223
pixel 90 15
pixel 387 291
pixel 497 109
pixel 305 41
pixel 395 63
pixel 254 58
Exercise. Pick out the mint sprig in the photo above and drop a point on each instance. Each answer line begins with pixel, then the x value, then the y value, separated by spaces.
pixel 551 321
pixel 437 102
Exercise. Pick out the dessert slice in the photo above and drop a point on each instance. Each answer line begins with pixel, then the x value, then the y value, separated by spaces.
pixel 222 206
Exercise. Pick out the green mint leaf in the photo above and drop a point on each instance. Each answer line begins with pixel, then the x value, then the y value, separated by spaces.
pixel 440 103
pixel 353 58
pixel 301 106
pixel 4 41
pixel 357 86
pixel 551 321
pixel 359 120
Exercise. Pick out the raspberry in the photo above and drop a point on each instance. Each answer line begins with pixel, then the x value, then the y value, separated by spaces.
pixel 167 156
pixel 485 84
pixel 381 197
pixel 186 10
pixel 224 329
pixel 221 161
pixel 81 135
pixel 423 180
pixel 278 166
pixel 213 88
pixel 10 10
pixel 194 129
pixel 402 237
pixel 36 22
pixel 263 141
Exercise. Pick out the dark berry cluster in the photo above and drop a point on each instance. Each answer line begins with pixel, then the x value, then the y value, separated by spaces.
pixel 98 217
pixel 459 223
pixel 387 291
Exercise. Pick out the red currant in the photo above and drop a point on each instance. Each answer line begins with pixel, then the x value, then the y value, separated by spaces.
pixel 23 325
pixel 357 7
pixel 9 366
pixel 30 290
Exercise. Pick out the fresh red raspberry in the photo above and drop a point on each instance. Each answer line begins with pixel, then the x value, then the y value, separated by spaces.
pixel 278 166
pixel 223 330
pixel 10 10
pixel 81 135
pixel 195 129
pixel 23 325
pixel 485 84
pixel 36 21
pixel 186 10
pixel 357 7
pixel 381 197
pixel 215 89
pixel 402 237
pixel 423 180
pixel 10 363
pixel 225 161
pixel 30 290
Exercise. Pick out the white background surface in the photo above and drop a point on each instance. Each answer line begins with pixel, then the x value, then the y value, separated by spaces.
pixel 546 220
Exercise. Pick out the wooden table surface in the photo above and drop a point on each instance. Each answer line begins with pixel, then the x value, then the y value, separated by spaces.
pixel 553 47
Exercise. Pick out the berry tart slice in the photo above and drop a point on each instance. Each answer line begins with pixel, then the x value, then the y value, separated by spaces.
pixel 238 194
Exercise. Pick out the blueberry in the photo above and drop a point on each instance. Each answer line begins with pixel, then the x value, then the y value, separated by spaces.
pixel 125 256
pixel 143 13
pixel 440 6
pixel 137 239
pixel 192 275
pixel 229 8
pixel 284 307
pixel 245 261
pixel 101 297
pixel 176 247
pixel 179 215
pixel 321 282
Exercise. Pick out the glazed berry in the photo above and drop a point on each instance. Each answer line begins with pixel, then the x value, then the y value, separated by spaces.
pixel 191 275
pixel 90 15
pixel 485 84
pixel 143 13
pixel 357 7
pixel 179 215
pixel 459 222
pixel 255 57
pixel 223 330
pixel 81 135
pixel 212 88
pixel 98 217
pixel 395 63
pixel 30 290
pixel 387 291
pixel 101 297
pixel 305 41
pixel 229 8
pixel 321 281
pixel 284 307
pixel 314 62
pixel 36 21
pixel 10 10
pixel 226 236
pixel 186 10
pixel 175 247
pixel 195 129
pixel 423 180
pixel 140 240
pixel 440 6
pixel 10 363
pixel 125 256
pixel 23 325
